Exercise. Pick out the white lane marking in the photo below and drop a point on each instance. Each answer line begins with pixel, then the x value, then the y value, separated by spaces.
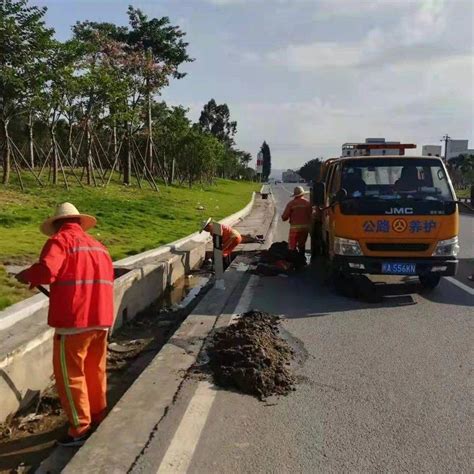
pixel 246 298
pixel 180 452
pixel 178 457
pixel 461 285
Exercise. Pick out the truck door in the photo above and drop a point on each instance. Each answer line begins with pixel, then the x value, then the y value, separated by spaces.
pixel 333 188
pixel 329 193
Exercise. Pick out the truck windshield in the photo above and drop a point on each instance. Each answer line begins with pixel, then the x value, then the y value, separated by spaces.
pixel 395 179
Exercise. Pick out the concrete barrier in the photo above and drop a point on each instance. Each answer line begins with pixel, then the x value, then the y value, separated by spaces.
pixel 25 347
pixel 468 209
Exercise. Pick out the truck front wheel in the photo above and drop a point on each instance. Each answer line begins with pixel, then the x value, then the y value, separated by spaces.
pixel 429 281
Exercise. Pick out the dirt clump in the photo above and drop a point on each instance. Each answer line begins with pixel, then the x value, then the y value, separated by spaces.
pixel 251 357
pixel 43 414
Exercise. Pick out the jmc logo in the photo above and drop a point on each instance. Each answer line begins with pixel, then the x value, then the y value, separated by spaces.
pixel 396 211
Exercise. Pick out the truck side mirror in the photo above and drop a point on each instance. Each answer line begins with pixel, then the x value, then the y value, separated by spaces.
pixel 319 193
pixel 341 195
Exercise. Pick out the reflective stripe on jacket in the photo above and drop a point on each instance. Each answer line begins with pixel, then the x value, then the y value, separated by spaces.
pixel 79 271
pixel 298 211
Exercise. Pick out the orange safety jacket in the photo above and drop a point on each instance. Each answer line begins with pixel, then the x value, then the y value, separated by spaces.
pixel 79 271
pixel 230 239
pixel 298 211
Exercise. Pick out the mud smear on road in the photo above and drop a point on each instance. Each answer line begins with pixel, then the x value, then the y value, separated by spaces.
pixel 29 437
pixel 251 356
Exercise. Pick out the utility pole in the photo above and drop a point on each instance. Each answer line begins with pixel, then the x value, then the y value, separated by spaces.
pixel 445 139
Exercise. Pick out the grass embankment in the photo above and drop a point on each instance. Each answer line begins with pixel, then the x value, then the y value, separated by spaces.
pixel 463 193
pixel 130 220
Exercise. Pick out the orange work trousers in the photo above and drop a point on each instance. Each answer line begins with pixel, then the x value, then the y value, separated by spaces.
pixel 297 239
pixel 79 362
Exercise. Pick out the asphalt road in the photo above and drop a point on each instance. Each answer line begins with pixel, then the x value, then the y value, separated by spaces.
pixel 382 387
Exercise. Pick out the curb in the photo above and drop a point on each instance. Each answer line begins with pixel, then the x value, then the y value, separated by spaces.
pixel 273 225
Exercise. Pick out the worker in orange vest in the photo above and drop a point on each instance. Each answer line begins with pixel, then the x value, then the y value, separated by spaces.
pixel 230 238
pixel 79 271
pixel 298 211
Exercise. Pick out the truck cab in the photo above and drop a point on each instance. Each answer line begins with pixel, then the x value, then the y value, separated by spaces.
pixel 387 215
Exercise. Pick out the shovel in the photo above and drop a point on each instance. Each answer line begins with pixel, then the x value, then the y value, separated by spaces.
pixel 43 290
pixel 40 288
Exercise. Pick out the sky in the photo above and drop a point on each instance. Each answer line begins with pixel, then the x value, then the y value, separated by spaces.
pixel 309 75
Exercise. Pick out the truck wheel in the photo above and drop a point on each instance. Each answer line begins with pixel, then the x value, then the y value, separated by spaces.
pixel 429 281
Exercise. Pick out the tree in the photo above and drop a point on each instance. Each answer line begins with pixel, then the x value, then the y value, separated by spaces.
pixel 146 55
pixel 171 128
pixel 50 101
pixel 267 161
pixel 467 167
pixel 163 50
pixel 24 45
pixel 310 170
pixel 215 119
pixel 80 102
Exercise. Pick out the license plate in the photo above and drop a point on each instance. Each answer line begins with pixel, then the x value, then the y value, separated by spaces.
pixel 399 268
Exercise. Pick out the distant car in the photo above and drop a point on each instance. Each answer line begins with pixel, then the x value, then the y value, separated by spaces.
pixel 277 182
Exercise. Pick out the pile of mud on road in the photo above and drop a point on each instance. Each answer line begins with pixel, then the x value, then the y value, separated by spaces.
pixel 251 357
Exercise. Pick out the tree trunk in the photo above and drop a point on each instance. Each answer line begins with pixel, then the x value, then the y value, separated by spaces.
pixel 54 164
pixel 173 162
pixel 150 136
pixel 31 140
pixel 127 157
pixel 69 144
pixel 89 170
pixel 114 140
pixel 6 150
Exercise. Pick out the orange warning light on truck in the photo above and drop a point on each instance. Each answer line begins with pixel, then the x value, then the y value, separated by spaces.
pixel 387 215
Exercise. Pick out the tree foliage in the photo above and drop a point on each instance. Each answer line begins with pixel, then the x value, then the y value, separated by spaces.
pixel 89 103
pixel 310 170
pixel 24 48
pixel 215 119
pixel 267 161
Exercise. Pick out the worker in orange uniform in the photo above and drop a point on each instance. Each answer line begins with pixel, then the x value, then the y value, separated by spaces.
pixel 298 211
pixel 79 271
pixel 230 238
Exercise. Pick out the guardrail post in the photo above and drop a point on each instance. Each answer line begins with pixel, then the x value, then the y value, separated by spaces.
pixel 218 259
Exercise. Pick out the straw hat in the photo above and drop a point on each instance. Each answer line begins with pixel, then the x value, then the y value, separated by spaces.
pixel 205 224
pixel 299 191
pixel 67 210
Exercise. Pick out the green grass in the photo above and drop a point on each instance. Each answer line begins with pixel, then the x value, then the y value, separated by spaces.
pixel 463 193
pixel 10 290
pixel 130 220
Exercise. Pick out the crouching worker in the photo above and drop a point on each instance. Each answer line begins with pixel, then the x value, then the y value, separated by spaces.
pixel 80 274
pixel 299 212
pixel 230 239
